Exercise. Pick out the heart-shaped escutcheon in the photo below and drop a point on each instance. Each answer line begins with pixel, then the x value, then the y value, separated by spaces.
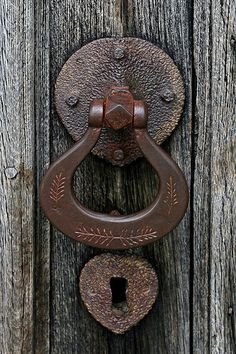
pixel 118 290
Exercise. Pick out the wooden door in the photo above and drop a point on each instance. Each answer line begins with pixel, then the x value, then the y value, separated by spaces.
pixel 40 306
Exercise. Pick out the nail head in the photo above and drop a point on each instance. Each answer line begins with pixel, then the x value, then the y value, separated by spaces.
pixel 168 96
pixel 72 101
pixel 11 172
pixel 119 53
pixel 118 155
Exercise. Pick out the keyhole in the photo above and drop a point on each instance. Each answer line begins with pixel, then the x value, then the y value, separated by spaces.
pixel 118 291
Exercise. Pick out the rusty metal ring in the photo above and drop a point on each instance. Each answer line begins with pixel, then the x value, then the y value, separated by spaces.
pixel 114 232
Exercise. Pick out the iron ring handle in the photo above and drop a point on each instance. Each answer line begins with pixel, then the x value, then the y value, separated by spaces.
pixel 115 232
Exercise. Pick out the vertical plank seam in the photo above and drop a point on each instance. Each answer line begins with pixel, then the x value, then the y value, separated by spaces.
pixel 193 165
pixel 35 214
pixel 209 184
pixel 124 17
pixel 38 50
pixel 194 156
pixel 50 159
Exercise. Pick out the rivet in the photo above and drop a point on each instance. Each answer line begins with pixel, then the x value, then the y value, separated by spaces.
pixel 168 96
pixel 119 53
pixel 118 155
pixel 11 172
pixel 72 101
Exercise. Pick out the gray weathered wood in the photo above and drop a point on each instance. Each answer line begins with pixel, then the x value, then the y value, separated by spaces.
pixel 40 307
pixel 214 283
pixel 16 176
pixel 42 161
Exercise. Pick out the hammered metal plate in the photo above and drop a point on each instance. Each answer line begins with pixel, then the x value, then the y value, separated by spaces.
pixel 141 291
pixel 151 76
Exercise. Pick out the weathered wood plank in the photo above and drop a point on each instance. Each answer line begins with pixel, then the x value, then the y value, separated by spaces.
pixel 214 287
pixel 171 28
pixel 42 161
pixel 103 187
pixel 16 173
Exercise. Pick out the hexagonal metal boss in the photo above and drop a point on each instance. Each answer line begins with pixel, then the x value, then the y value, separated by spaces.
pixel 119 107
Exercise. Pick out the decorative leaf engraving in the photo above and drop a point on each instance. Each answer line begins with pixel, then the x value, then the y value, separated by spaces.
pixel 57 188
pixel 127 238
pixel 102 237
pixel 131 238
pixel 171 197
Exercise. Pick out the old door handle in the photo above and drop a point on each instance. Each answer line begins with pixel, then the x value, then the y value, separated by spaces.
pixel 58 200
pixel 101 75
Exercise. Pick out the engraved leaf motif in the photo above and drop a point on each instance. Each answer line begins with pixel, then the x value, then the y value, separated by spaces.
pixel 105 237
pixel 128 238
pixel 171 197
pixel 57 188
pixel 102 237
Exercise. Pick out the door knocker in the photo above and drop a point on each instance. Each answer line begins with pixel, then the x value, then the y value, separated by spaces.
pixel 119 98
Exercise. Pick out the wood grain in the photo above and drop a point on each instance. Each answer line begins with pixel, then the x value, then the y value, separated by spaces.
pixel 40 306
pixel 42 161
pixel 17 176
pixel 214 178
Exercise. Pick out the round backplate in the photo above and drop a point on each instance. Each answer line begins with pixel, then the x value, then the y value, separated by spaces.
pixel 151 76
